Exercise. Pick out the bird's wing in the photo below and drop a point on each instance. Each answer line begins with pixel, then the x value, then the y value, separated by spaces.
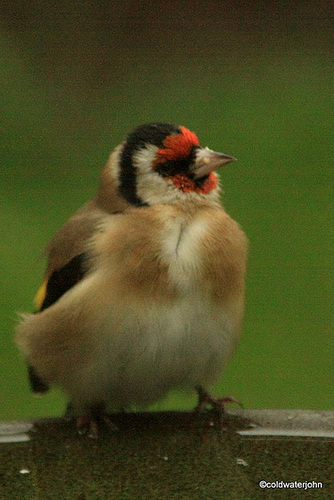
pixel 51 290
pixel 60 281
pixel 68 257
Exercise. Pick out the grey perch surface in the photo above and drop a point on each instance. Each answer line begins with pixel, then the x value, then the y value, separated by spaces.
pixel 170 455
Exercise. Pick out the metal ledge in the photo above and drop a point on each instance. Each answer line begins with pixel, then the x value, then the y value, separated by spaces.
pixel 171 455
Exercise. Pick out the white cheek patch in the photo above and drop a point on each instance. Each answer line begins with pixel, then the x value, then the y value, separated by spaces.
pixel 144 158
pixel 151 186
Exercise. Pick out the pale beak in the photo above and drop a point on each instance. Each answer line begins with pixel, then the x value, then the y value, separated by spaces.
pixel 207 161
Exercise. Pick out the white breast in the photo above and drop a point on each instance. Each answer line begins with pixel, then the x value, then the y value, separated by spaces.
pixel 157 349
pixel 180 250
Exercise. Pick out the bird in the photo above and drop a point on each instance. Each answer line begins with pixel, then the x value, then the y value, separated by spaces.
pixel 144 287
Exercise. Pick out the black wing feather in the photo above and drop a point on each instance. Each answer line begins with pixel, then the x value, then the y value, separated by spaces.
pixel 63 279
pixel 59 282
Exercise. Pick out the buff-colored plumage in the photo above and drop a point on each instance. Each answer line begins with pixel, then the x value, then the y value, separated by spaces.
pixel 72 238
pixel 160 307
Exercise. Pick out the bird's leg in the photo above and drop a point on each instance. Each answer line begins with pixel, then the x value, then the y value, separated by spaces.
pixel 69 411
pixel 217 404
pixel 88 423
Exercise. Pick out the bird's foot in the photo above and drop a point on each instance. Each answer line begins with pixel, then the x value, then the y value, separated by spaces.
pixel 217 404
pixel 89 423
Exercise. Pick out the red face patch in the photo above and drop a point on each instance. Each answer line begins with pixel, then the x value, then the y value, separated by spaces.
pixel 177 146
pixel 182 182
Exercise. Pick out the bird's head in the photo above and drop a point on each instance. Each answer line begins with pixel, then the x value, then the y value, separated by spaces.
pixel 161 163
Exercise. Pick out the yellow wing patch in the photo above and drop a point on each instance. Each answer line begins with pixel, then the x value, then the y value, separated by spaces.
pixel 40 295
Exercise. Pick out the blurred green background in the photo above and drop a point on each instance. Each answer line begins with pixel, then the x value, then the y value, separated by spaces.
pixel 252 80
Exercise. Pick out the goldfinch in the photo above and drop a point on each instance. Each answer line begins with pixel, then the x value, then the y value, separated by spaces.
pixel 144 287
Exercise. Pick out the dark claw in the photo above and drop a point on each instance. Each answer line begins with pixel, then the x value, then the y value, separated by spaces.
pixel 89 423
pixel 217 404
